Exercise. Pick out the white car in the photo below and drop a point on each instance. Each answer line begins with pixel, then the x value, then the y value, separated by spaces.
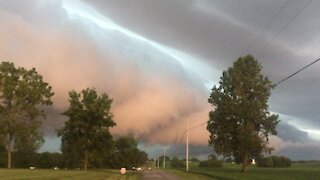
pixel 139 169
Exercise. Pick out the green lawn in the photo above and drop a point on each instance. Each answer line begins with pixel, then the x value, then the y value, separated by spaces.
pixel 228 172
pixel 14 174
pixel 232 172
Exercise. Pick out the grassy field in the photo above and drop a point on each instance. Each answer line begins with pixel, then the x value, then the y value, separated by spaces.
pixel 228 172
pixel 232 172
pixel 15 174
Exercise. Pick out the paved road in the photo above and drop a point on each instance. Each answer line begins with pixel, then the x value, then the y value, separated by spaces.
pixel 156 174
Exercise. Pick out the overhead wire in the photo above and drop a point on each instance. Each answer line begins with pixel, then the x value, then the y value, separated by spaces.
pixel 199 125
pixel 266 45
pixel 288 77
pixel 283 28
pixel 276 84
pixel 260 33
pixel 265 27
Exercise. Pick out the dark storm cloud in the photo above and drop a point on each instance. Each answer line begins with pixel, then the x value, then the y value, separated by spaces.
pixel 289 132
pixel 150 87
pixel 302 152
pixel 217 32
pixel 200 151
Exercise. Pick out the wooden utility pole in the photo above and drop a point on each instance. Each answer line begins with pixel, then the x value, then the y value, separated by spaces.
pixel 187 148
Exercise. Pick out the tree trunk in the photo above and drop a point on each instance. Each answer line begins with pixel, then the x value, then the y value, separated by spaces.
pixel 86 160
pixel 244 162
pixel 9 150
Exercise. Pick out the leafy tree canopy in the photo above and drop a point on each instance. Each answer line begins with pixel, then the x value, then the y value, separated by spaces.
pixel 22 94
pixel 127 153
pixel 240 121
pixel 87 129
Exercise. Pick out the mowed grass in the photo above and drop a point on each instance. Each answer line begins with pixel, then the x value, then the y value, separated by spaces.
pixel 44 174
pixel 232 172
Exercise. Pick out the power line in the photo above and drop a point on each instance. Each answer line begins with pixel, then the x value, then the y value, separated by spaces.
pixel 281 81
pixel 185 131
pixel 284 79
pixel 297 14
pixel 196 126
pixel 266 26
pixel 263 30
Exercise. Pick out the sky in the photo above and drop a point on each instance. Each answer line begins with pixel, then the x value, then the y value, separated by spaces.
pixel 158 61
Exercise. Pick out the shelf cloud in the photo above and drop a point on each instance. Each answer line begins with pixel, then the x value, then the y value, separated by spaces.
pixel 158 61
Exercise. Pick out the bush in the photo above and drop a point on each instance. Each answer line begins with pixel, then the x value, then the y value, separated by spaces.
pixel 274 161
pixel 176 163
pixel 195 160
pixel 210 163
pixel 229 160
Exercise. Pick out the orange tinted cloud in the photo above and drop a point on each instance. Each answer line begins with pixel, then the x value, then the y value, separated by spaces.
pixel 153 95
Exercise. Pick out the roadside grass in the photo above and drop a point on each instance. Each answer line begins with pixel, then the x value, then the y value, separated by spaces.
pixel 232 172
pixel 183 175
pixel 48 174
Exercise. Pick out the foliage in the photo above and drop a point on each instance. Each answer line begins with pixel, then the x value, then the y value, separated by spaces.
pixel 50 160
pixel 210 163
pixel 194 159
pixel 2 155
pixel 229 159
pixel 167 158
pixel 127 154
pixel 24 159
pixel 212 157
pixel 177 163
pixel 240 123
pixel 22 94
pixel 274 161
pixel 87 131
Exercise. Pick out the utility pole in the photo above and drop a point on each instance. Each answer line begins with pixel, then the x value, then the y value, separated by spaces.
pixel 187 148
pixel 164 157
pixel 158 163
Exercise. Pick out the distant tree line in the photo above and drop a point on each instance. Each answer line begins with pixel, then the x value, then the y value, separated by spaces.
pixel 274 161
pixel 212 161
pixel 132 157
pixel 86 140
pixel 177 163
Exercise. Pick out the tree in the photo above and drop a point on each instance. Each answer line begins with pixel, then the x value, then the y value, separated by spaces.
pixel 193 159
pixel 22 94
pixel 228 160
pixel 161 158
pixel 212 156
pixel 127 153
pixel 211 163
pixel 49 160
pixel 3 159
pixel 240 121
pixel 126 143
pixel 177 163
pixel 274 161
pixel 87 129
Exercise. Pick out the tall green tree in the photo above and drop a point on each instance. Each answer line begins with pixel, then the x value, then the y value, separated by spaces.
pixel 87 129
pixel 127 153
pixel 240 121
pixel 22 94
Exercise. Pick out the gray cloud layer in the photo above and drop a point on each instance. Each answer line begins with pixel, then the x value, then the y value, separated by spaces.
pixel 154 92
